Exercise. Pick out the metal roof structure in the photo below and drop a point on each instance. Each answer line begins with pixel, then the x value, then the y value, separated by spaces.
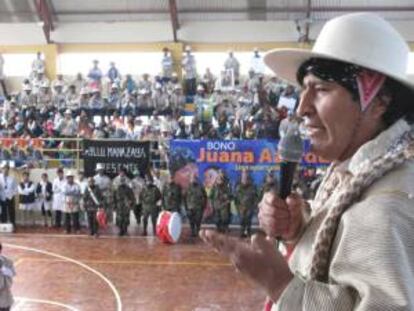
pixel 52 12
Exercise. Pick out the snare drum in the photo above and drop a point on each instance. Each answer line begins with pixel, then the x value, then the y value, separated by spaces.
pixel 169 227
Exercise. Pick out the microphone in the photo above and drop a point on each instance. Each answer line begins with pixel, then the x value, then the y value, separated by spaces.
pixel 291 150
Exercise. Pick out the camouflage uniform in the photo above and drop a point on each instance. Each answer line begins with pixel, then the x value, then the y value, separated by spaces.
pixel 246 203
pixel 220 197
pixel 137 184
pixel 172 197
pixel 195 202
pixel 91 207
pixel 149 198
pixel 124 202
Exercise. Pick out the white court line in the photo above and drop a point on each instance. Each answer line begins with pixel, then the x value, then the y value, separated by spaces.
pixel 76 262
pixel 24 300
pixel 18 305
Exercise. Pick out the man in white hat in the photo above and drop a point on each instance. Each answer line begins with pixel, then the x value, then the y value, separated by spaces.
pixel 84 99
pixel 233 64
pixel 177 100
pixel 72 99
pixel 190 71
pixel 95 74
pixel 113 73
pixel 167 65
pixel 59 82
pixel 114 99
pixel 27 198
pixel 38 80
pixel 161 100
pixel 355 251
pixel 79 81
pixel 27 100
pixel 38 64
pixel 68 127
pixel 58 187
pixel 256 63
pixel 58 96
pixel 72 193
pixel 8 186
pixel 44 96
pixel 104 183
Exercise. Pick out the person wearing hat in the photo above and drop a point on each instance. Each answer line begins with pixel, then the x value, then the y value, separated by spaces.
pixel 72 99
pixel 220 198
pixel 122 174
pixel 27 198
pixel 356 251
pixel 137 184
pixel 256 62
pixel 160 100
pixel 27 100
pixel 95 75
pixel 44 194
pixel 233 64
pixel 96 104
pixel 124 200
pixel 38 80
pixel 9 188
pixel 68 127
pixel 59 82
pixel 2 77
pixel 195 201
pixel 79 82
pixel 151 200
pixel 43 96
pixel 167 65
pixel 71 209
pixel 92 201
pixel 173 83
pixel 246 199
pixel 58 187
pixel 59 96
pixel 190 71
pixel 104 184
pixel 113 73
pixel 177 100
pixel 114 99
pixel 172 197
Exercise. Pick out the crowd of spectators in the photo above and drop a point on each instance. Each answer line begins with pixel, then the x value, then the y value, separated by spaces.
pixel 99 105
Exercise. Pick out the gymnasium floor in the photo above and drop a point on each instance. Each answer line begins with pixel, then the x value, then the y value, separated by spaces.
pixel 80 273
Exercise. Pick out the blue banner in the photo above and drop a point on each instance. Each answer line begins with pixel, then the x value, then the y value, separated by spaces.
pixel 206 158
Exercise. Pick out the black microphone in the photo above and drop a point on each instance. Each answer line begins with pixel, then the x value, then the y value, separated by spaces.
pixel 291 150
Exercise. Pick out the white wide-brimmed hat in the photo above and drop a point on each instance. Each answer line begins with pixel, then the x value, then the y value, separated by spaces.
pixel 100 166
pixel 363 39
pixel 70 173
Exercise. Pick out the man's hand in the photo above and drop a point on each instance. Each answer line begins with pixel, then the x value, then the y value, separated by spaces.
pixel 279 218
pixel 257 259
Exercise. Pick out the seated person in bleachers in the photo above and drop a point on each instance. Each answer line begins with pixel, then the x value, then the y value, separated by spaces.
pixel 160 100
pixel 177 100
pixel 58 97
pixel 96 106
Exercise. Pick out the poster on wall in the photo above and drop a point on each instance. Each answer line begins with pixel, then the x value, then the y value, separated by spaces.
pixel 207 158
pixel 115 154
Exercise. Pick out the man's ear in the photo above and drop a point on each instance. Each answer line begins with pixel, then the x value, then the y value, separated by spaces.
pixel 379 105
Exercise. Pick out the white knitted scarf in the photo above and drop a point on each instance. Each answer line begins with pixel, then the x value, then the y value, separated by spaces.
pixel 397 154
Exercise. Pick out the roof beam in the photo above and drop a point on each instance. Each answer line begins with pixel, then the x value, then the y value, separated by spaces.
pixel 256 10
pixel 300 9
pixel 307 25
pixel 44 13
pixel 174 18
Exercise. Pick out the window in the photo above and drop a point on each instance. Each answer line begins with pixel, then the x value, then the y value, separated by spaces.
pixel 134 63
pixel 18 65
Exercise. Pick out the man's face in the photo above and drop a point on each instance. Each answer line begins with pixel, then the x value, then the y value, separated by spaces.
pixel 335 124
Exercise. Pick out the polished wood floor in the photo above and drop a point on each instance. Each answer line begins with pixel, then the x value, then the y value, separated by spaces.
pixel 80 273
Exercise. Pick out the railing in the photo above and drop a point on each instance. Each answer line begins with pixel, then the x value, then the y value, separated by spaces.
pixel 55 151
